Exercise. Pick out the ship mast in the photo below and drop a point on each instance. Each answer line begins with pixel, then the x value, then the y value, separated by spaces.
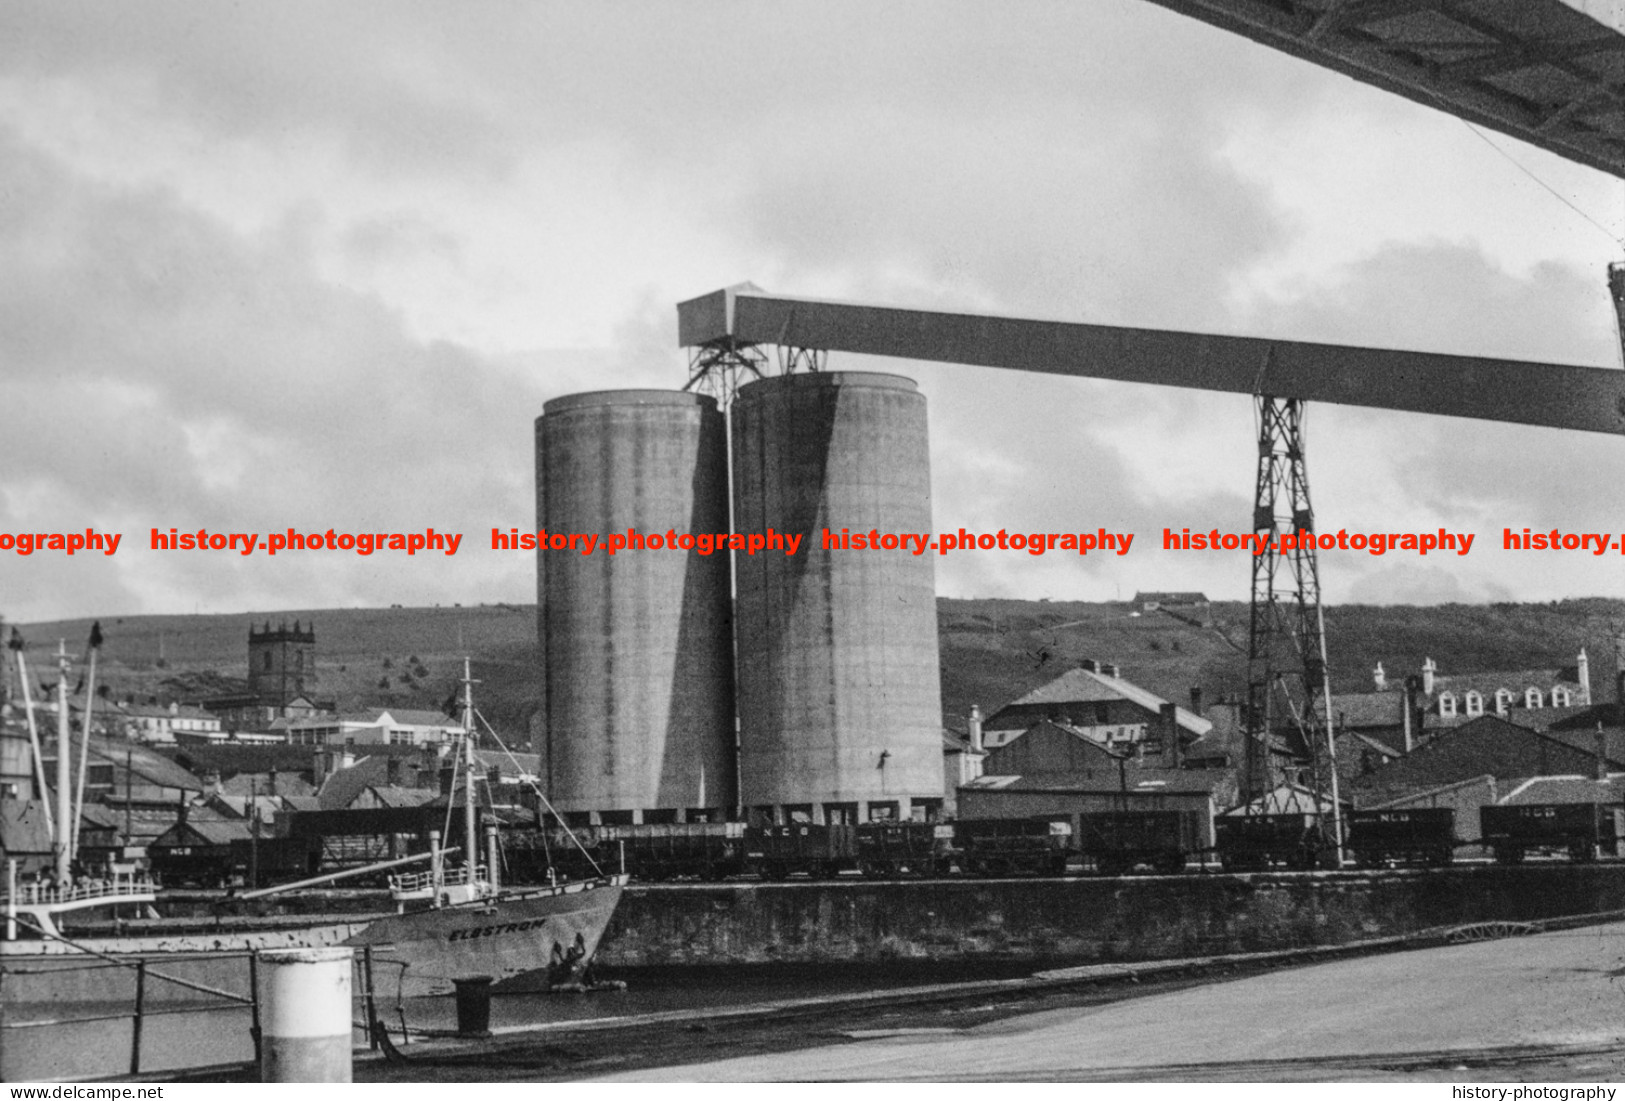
pixel 62 842
pixel 470 814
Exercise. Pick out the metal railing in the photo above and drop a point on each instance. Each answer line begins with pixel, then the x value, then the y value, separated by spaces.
pixel 86 1033
pixel 426 881
pixel 83 890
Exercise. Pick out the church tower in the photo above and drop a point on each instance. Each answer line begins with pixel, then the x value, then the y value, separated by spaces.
pixel 281 663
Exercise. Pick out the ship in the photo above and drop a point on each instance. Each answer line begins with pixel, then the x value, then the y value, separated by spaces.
pixel 453 922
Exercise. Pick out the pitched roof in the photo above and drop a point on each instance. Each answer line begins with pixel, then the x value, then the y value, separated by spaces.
pixel 222 832
pixel 228 759
pixel 144 762
pixel 22 827
pixel 259 783
pixel 1564 789
pixel 1430 793
pixel 391 796
pixel 529 764
pixel 1513 680
pixel 377 716
pixel 1087 686
pixel 1585 739
pixel 341 788
pixel 1380 746
pixel 1141 781
pixel 1543 718
pixel 1484 744
pixel 1355 709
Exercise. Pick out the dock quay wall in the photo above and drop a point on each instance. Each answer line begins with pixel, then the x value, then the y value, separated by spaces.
pixel 1081 919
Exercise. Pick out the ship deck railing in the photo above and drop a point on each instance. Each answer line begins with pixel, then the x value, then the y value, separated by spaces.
pixel 50 895
pixel 427 881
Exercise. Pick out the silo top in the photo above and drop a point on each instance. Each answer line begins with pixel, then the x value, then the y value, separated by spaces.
pixel 872 380
pixel 599 398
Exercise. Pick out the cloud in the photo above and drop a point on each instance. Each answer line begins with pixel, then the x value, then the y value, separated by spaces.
pixel 165 372
pixel 297 265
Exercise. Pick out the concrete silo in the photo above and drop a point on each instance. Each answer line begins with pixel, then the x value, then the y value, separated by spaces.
pixel 839 698
pixel 637 647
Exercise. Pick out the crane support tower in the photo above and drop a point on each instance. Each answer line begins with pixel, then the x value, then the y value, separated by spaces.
pixel 1287 676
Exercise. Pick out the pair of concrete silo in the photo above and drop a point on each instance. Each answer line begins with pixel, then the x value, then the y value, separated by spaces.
pixel 827 657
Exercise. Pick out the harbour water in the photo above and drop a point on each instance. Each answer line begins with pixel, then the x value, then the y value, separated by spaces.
pixel 93 1039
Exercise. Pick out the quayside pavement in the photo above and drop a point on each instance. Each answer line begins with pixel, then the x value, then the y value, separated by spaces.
pixel 1521 1008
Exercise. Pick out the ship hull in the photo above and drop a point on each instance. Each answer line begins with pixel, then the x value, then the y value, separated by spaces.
pixel 527 939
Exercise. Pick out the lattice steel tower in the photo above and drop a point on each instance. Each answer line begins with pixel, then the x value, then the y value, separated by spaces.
pixel 1286 644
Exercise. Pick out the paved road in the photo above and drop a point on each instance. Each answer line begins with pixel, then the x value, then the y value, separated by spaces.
pixel 1564 989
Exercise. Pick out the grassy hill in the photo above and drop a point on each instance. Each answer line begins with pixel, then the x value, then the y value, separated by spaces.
pixel 992 650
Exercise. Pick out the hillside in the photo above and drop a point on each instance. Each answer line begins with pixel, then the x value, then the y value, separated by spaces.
pixel 992 650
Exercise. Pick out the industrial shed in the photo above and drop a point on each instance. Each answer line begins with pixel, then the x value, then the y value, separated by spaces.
pixel 1059 798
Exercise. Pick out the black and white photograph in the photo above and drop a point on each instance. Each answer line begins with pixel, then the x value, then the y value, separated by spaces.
pixel 911 543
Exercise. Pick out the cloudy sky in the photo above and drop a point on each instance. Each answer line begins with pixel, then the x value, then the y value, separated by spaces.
pixel 319 265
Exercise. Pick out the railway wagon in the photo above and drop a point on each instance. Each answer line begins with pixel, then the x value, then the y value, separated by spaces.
pixel 1118 842
pixel 652 852
pixel 1578 829
pixel 237 862
pixel 1006 846
pixel 191 865
pixel 1257 842
pixel 1412 835
pixel 887 849
pixel 775 852
pixel 656 851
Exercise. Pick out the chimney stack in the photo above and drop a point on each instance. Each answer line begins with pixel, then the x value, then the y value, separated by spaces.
pixel 1089 665
pixel 1428 669
pixel 1410 713
pixel 974 723
pixel 1380 677
pixel 1172 751
pixel 1196 700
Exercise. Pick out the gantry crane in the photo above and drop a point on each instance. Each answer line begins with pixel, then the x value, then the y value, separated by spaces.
pixel 1288 682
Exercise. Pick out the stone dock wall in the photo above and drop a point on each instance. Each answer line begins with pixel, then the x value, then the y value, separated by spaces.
pixel 1080 920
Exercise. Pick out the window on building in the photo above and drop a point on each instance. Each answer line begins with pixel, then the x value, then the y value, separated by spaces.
pixel 882 812
pixel 1447 703
pixel 663 816
pixel 925 810
pixel 1503 701
pixel 1475 703
pixel 1560 696
pixel 841 814
pixel 615 818
pixel 798 813
pixel 266 662
pixel 1532 697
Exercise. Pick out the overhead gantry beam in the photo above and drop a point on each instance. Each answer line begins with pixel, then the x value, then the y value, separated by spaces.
pixel 1553 395
pixel 1549 72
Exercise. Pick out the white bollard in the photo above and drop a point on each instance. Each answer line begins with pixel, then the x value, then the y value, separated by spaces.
pixel 305 1015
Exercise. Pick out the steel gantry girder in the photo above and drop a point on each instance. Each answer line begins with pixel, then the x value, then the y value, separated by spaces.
pixel 1548 72
pixel 1587 399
